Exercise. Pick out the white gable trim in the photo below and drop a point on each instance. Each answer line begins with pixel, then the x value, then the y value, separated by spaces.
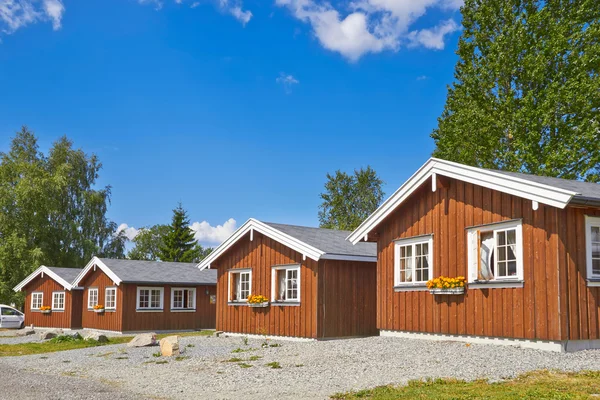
pixel 534 191
pixel 96 262
pixel 43 270
pixel 253 225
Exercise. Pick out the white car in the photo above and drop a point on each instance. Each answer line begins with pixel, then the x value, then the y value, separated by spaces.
pixel 11 318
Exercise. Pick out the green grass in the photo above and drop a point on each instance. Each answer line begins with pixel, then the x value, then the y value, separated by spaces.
pixel 157 354
pixel 244 365
pixel 240 350
pixel 50 346
pixel 161 362
pixel 531 386
pixel 181 358
pixel 254 358
pixel 234 359
pixel 274 365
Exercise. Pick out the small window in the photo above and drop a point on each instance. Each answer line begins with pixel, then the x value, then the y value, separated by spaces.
pixel 496 252
pixel 92 298
pixel 149 298
pixel 413 261
pixel 110 298
pixel 285 283
pixel 592 227
pixel 37 300
pixel 183 299
pixel 58 301
pixel 240 285
pixel 10 312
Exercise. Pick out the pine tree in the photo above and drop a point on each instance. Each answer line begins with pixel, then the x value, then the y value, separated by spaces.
pixel 526 95
pixel 179 244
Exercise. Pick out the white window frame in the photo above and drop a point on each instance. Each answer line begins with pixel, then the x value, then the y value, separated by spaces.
pixel 473 255
pixel 412 241
pixel 106 290
pixel 287 267
pixel 33 296
pixel 590 221
pixel 150 288
pixel 192 290
pixel 64 299
pixel 230 282
pixel 90 290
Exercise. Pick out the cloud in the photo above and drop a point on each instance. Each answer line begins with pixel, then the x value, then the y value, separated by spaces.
pixel 234 7
pixel 213 234
pixel 422 77
pixel 129 231
pixel 371 26
pixel 15 14
pixel 158 4
pixel 287 81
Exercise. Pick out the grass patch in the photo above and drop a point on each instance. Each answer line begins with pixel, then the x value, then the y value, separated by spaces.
pixel 234 359
pixel 110 353
pixel 181 358
pixel 274 365
pixel 161 362
pixel 52 346
pixel 299 365
pixel 254 358
pixel 157 354
pixel 240 350
pixel 533 385
pixel 43 358
pixel 191 345
pixel 149 362
pixel 121 358
pixel 244 365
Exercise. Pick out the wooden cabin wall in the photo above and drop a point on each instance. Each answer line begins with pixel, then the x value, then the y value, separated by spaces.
pixel 260 254
pixel 56 319
pixel 108 320
pixel 531 312
pixel 347 303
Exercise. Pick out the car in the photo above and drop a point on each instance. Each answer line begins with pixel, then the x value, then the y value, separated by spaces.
pixel 11 317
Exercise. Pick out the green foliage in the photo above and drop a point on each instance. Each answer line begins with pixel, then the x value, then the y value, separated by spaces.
pixel 526 94
pixel 179 244
pixel 234 359
pixel 244 365
pixel 350 199
pixel 148 242
pixel 66 338
pixel 157 354
pixel 52 213
pixel 274 365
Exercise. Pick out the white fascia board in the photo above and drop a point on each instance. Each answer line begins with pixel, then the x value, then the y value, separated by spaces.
pixel 98 263
pixel 47 271
pixel 252 224
pixel 343 257
pixel 549 195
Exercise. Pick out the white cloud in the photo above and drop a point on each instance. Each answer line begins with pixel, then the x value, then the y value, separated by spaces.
pixel 287 81
pixel 15 14
pixel 213 234
pixel 194 4
pixel 158 4
pixel 234 7
pixel 129 231
pixel 422 77
pixel 371 26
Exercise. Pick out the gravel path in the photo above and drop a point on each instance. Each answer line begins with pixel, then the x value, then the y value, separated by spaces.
pixel 313 370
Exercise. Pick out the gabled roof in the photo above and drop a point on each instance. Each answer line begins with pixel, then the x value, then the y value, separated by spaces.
pixel 63 276
pixel 150 272
pixel 551 191
pixel 314 243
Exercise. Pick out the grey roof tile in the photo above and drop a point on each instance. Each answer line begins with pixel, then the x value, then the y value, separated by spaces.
pixel 156 272
pixel 329 241
pixel 583 189
pixel 68 274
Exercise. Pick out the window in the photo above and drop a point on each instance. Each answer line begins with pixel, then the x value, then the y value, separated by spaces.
pixel 240 285
pixel 413 261
pixel 110 298
pixel 150 298
pixel 285 283
pixel 37 300
pixel 10 312
pixel 592 232
pixel 496 252
pixel 92 297
pixel 183 298
pixel 58 301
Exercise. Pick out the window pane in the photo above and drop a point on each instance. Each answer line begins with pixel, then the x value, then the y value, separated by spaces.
pixel 486 256
pixel 511 236
pixel 501 269
pixel 596 267
pixel 425 274
pixel 419 276
pixel 418 250
pixel 501 254
pixel 595 234
pixel 501 238
pixel 596 250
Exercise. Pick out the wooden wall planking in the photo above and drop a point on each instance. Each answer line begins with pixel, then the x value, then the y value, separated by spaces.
pixel 109 320
pixel 56 319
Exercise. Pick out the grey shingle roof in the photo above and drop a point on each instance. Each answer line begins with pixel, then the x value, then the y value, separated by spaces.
pixel 156 272
pixel 327 240
pixel 586 190
pixel 68 274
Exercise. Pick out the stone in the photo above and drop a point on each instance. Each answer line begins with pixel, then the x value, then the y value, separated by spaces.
pixel 219 333
pixel 45 335
pixel 25 332
pixel 97 336
pixel 169 346
pixel 143 340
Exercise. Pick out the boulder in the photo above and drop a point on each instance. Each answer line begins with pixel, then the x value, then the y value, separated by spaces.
pixel 97 336
pixel 45 335
pixel 169 346
pixel 143 340
pixel 25 332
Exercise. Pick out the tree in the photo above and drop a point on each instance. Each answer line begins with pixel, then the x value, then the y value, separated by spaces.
pixel 51 213
pixel 526 95
pixel 350 199
pixel 179 243
pixel 148 242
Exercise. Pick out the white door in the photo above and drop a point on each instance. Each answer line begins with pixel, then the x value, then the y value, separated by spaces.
pixel 10 318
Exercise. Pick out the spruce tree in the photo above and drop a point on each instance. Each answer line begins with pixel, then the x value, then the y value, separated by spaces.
pixel 179 244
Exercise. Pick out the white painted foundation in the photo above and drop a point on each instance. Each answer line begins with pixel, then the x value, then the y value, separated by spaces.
pixel 270 337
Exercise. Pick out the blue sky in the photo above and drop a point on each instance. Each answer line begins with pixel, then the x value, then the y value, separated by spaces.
pixel 237 109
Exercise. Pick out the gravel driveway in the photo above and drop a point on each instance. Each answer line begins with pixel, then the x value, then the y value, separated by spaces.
pixel 312 370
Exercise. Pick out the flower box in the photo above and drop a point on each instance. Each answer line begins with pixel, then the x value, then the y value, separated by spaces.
pixel 99 310
pixel 453 291
pixel 259 305
pixel 46 311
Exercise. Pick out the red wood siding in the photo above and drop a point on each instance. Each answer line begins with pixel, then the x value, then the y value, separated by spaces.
pixel 109 320
pixel 530 312
pixel 56 319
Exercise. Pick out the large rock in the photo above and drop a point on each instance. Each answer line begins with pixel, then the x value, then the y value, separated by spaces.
pixel 97 336
pixel 143 340
pixel 25 332
pixel 169 346
pixel 45 335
